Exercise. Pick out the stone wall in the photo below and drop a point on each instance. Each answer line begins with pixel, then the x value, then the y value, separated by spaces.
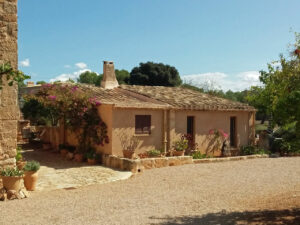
pixel 9 111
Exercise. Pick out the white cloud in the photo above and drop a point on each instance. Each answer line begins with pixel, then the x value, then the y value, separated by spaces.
pixel 67 76
pixel 217 80
pixel 81 65
pixel 25 63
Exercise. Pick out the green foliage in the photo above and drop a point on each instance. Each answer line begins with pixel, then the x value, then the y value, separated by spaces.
pixel 122 76
pixel 32 166
pixel 280 95
pixel 198 155
pixel 12 76
pixel 91 154
pixel 182 144
pixel 155 74
pixel 88 78
pixel 11 172
pixel 37 113
pixel 41 82
pixel 252 150
pixel 19 154
pixel 154 153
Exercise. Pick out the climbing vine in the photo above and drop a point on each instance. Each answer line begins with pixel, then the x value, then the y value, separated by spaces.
pixel 77 109
pixel 11 75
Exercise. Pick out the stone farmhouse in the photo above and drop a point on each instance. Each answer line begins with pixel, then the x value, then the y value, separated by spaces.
pixel 159 115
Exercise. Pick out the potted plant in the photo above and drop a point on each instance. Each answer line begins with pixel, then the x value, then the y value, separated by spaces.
pixel 19 159
pixel 129 144
pixel 79 154
pixel 71 149
pixel 153 153
pixel 63 150
pixel 91 157
pixel 180 146
pixel 31 175
pixel 11 179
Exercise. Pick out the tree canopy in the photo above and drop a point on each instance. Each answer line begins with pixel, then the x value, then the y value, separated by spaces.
pixel 155 74
pixel 280 95
pixel 89 78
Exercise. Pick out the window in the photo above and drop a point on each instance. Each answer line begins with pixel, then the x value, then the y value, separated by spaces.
pixel 142 124
pixel 233 131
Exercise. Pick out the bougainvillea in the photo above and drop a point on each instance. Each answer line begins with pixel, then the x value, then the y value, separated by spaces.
pixel 77 108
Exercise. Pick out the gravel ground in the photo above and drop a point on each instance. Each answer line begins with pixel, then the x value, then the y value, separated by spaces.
pixel 256 191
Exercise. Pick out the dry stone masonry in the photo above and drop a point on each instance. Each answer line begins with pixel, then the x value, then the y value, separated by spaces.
pixel 9 111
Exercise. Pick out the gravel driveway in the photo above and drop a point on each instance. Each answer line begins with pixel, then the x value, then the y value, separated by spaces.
pixel 257 191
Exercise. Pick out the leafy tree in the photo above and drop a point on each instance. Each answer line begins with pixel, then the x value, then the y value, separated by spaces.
pixel 155 74
pixel 41 82
pixel 281 92
pixel 122 76
pixel 88 78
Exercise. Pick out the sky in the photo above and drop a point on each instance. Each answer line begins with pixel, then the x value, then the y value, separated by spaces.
pixel 225 43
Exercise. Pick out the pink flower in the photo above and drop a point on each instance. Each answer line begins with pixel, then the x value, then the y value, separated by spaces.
pixel 74 88
pixel 85 109
pixel 211 131
pixel 97 103
pixel 52 97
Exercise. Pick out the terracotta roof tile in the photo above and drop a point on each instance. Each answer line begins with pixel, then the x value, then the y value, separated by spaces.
pixel 134 96
pixel 183 98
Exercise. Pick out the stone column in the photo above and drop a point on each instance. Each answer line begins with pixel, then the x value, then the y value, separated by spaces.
pixel 9 110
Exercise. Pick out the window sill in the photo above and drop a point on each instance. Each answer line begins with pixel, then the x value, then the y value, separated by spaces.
pixel 141 135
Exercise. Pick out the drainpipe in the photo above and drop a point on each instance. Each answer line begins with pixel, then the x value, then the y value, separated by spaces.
pixel 165 140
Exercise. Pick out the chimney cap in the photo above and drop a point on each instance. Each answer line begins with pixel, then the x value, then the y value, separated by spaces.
pixel 108 62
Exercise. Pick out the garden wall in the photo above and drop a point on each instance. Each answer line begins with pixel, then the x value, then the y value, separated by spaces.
pixel 9 111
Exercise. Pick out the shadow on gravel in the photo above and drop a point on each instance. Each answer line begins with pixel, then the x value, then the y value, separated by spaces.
pixel 267 217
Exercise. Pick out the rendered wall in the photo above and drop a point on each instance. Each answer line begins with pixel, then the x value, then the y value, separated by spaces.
pixel 123 121
pixel 9 111
pixel 204 121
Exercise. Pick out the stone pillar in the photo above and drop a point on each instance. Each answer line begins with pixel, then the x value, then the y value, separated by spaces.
pixel 9 110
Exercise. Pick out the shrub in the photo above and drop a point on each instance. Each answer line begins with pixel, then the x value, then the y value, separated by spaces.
pixel 153 153
pixel 32 166
pixel 198 155
pixel 11 172
pixel 252 150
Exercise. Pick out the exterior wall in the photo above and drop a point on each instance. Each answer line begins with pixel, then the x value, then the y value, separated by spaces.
pixel 123 121
pixel 206 120
pixel 9 111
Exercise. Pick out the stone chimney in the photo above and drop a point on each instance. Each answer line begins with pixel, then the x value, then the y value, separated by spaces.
pixel 109 80
pixel 30 84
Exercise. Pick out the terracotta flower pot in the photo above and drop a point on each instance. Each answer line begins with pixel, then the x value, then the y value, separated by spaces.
pixel 21 164
pixel 63 152
pixel 128 154
pixel 178 153
pixel 70 155
pixel 91 161
pixel 78 157
pixel 12 183
pixel 30 180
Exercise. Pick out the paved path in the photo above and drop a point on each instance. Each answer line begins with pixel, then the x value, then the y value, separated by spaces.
pixel 57 173
pixel 256 191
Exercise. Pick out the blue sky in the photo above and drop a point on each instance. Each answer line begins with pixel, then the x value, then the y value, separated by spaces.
pixel 223 42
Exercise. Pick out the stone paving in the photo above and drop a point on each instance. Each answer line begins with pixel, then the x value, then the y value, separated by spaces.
pixel 59 173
